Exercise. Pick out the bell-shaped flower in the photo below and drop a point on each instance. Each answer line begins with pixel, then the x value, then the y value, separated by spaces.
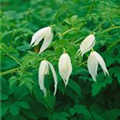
pixel 44 70
pixel 87 44
pixel 93 60
pixel 44 33
pixel 65 67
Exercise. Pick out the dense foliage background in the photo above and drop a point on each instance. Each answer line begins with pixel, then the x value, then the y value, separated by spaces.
pixel 73 20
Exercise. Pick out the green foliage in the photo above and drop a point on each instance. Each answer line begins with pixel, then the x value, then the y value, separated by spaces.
pixel 72 21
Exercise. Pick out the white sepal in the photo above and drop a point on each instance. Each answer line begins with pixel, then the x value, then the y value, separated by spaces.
pixel 92 64
pixel 87 44
pixel 93 60
pixel 44 33
pixel 102 63
pixel 65 67
pixel 54 76
pixel 44 68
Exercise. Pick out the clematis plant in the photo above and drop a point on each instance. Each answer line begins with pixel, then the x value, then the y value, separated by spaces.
pixel 65 67
pixel 44 69
pixel 93 60
pixel 44 33
pixel 87 44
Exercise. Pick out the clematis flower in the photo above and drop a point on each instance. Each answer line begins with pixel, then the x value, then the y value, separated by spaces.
pixel 44 69
pixel 93 60
pixel 87 44
pixel 44 33
pixel 65 67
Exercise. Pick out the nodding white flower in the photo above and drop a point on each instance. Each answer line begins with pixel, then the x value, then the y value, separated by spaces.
pixel 44 33
pixel 44 70
pixel 65 67
pixel 93 60
pixel 87 44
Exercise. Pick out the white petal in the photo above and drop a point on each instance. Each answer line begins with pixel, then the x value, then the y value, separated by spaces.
pixel 92 65
pixel 87 44
pixel 65 67
pixel 101 62
pixel 38 36
pixel 42 71
pixel 54 76
pixel 47 39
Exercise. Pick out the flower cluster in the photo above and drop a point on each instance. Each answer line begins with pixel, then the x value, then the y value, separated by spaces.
pixel 64 63
pixel 94 58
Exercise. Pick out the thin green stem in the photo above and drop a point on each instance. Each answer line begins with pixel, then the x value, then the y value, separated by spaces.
pixel 92 50
pixel 10 55
pixel 91 7
pixel 99 26
pixel 113 45
pixel 9 71
pixel 72 29
pixel 109 29
pixel 64 51
pixel 89 11
pixel 83 63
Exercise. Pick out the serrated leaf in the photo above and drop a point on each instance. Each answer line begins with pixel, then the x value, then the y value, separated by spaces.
pixel 80 109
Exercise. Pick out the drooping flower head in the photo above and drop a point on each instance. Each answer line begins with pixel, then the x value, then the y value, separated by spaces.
pixel 93 60
pixel 87 44
pixel 65 67
pixel 44 68
pixel 44 33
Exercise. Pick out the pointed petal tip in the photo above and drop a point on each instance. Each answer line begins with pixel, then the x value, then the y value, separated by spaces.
pixel 95 81
pixel 30 45
pixel 108 73
pixel 66 84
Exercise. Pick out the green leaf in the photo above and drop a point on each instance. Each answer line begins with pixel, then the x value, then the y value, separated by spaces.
pixel 74 18
pixel 80 109
pixel 12 80
pixel 96 87
pixel 3 96
pixel 60 116
pixel 14 109
pixel 112 114
pixel 4 108
pixel 30 114
pixel 97 116
pixel 75 87
pixel 19 94
pixel 116 71
pixel 23 47
pixel 23 104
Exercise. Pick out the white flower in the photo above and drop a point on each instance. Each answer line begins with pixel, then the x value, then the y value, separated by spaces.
pixel 65 67
pixel 44 33
pixel 93 60
pixel 87 44
pixel 44 70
